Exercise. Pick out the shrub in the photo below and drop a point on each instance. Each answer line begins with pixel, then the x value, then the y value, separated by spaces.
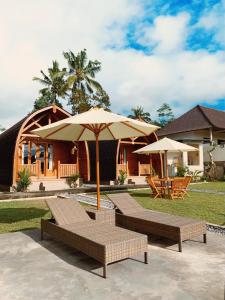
pixel 72 179
pixel 181 171
pixel 196 175
pixel 122 177
pixel 24 181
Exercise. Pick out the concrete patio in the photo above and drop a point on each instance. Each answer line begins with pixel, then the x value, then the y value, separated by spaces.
pixel 33 270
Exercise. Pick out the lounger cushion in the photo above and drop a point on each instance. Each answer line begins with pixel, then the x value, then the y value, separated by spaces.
pixel 67 211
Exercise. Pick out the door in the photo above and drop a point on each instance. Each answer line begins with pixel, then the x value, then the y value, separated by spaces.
pixel 46 159
pixel 107 160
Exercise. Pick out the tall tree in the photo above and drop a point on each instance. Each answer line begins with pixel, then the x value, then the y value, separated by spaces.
pixel 85 90
pixel 165 114
pixel 139 114
pixel 44 100
pixel 56 86
pixel 2 128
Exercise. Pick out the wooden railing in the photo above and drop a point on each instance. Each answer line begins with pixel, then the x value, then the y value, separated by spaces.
pixel 122 167
pixel 66 170
pixel 34 169
pixel 144 169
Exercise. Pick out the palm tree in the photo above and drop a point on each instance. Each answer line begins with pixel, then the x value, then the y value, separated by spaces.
pixel 81 80
pixel 138 113
pixel 54 81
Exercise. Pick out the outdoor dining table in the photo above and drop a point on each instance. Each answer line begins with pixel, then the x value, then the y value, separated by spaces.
pixel 166 182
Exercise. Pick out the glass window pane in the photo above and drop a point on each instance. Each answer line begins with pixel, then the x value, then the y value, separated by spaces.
pixel 25 154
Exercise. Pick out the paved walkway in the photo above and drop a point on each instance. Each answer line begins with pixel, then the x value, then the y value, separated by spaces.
pixel 34 270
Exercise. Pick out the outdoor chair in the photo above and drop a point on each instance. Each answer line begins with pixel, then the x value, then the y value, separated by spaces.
pixel 132 216
pixel 178 188
pixel 157 189
pixel 104 242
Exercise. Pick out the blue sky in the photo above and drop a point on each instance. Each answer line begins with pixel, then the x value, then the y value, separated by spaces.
pixel 151 51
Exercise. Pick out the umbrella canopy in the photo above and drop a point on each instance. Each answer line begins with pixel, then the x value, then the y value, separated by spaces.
pixel 163 146
pixel 94 125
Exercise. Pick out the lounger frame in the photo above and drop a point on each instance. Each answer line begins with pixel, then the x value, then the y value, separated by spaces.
pixel 105 254
pixel 174 233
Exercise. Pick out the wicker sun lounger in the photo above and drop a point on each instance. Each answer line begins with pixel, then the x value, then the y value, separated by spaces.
pixel 104 242
pixel 134 217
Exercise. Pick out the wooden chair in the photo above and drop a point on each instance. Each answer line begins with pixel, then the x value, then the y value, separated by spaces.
pixel 157 189
pixel 178 188
pixel 187 182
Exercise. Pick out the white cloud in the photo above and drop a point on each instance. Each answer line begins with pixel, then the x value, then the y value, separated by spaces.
pixel 167 34
pixel 215 20
pixel 34 33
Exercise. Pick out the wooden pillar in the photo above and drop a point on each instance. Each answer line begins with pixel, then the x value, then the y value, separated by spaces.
pixel 78 167
pixel 97 170
pixel 58 169
pixel 139 166
pixel 211 135
pixel 166 164
pixel 150 163
pixel 29 152
pixel 38 168
pixel 46 160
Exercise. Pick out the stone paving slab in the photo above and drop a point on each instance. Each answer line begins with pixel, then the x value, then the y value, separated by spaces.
pixel 32 270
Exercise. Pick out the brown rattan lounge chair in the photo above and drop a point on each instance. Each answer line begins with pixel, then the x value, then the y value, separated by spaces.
pixel 104 242
pixel 134 217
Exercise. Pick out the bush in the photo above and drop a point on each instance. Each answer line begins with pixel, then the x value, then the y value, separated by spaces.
pixel 24 181
pixel 181 171
pixel 122 177
pixel 72 180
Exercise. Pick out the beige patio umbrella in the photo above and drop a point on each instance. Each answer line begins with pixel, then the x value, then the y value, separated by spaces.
pixel 163 146
pixel 94 125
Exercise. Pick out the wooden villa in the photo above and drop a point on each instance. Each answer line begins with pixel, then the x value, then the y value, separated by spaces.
pixel 50 159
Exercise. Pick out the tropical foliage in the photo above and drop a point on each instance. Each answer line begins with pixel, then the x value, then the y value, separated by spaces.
pixel 76 83
pixel 72 180
pixel 138 113
pixel 122 177
pixel 24 181
pixel 45 99
pixel 165 115
pixel 54 81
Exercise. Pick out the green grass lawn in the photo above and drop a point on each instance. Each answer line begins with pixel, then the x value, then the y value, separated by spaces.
pixel 208 207
pixel 218 186
pixel 20 215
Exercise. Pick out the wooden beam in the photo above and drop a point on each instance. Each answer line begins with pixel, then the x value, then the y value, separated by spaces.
pixel 133 143
pixel 82 131
pixel 30 135
pixel 138 130
pixel 58 129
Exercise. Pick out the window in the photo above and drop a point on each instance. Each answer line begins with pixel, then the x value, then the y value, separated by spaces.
pixel 25 154
pixel 193 157
pixel 50 157
pixel 33 154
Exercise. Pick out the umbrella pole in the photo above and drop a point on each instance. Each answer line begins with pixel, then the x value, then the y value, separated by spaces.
pixel 166 164
pixel 97 171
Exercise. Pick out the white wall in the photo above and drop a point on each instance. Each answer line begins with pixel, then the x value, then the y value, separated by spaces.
pixel 197 137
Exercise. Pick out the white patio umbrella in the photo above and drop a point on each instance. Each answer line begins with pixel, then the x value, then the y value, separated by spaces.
pixel 94 125
pixel 163 146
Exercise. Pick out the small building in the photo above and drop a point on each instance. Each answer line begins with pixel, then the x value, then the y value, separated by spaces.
pixel 50 160
pixel 200 127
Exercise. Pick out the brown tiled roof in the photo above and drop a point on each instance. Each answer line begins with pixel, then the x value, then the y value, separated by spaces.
pixel 197 118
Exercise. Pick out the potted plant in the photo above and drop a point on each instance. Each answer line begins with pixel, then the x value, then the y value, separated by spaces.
pixel 122 177
pixel 72 180
pixel 24 181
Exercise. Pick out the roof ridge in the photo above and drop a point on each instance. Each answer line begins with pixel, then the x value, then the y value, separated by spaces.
pixel 201 108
